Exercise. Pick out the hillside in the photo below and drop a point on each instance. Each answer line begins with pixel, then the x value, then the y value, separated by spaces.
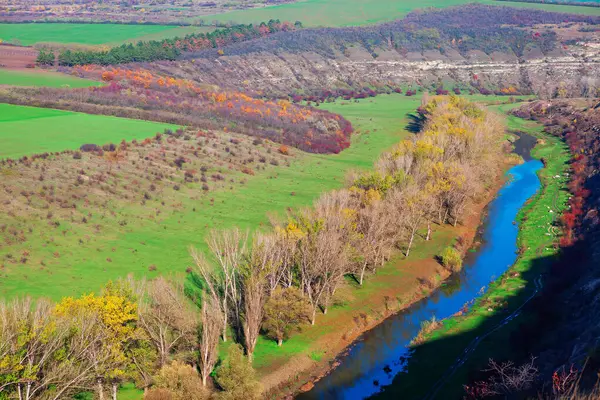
pixel 519 51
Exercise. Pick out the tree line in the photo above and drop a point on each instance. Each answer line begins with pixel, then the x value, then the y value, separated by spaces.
pixel 170 48
pixel 165 336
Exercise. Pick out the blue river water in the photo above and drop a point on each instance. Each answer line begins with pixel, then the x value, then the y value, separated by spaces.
pixel 381 353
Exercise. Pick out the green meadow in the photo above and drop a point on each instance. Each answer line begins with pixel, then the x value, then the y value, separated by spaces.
pixel 88 34
pixel 26 130
pixel 144 242
pixel 364 12
pixel 42 78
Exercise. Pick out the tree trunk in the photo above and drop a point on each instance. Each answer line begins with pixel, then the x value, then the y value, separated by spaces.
pixel 446 215
pixel 20 392
pixel 225 320
pixel 100 390
pixel 314 316
pixel 412 236
pixel 204 380
pixel 28 391
pixel 428 230
pixel 114 391
pixel 279 342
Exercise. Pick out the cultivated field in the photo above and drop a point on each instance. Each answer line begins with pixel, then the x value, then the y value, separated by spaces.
pixel 28 130
pixel 358 12
pixel 88 34
pixel 42 78
pixel 17 56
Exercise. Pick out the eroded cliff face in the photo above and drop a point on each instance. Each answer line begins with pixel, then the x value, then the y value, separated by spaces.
pixel 571 71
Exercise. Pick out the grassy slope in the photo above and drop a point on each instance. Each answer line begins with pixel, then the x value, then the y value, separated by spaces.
pixel 42 78
pixel 84 268
pixel 91 34
pixel 143 241
pixel 26 130
pixel 361 12
pixel 175 31
pixel 432 359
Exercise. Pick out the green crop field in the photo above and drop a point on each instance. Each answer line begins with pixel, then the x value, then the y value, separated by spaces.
pixel 42 78
pixel 361 12
pixel 27 130
pixel 89 34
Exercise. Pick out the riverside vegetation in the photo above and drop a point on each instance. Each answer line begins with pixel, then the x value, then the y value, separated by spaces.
pixel 135 330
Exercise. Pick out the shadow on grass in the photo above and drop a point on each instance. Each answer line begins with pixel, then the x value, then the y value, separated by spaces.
pixel 416 122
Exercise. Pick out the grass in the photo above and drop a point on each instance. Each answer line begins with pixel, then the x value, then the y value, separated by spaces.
pixel 440 349
pixel 88 34
pixel 361 12
pixel 27 130
pixel 164 242
pixel 42 78
pixel 83 268
pixel 175 31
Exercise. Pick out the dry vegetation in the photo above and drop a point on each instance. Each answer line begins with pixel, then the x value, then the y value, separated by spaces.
pixel 52 195
pixel 175 12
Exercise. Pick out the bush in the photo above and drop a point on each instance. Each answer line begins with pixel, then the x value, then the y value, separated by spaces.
pixel 179 381
pixel 158 394
pixel 237 377
pixel 451 259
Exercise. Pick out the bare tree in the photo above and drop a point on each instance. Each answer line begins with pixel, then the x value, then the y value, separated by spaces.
pixel 211 328
pixel 214 287
pixel 166 318
pixel 228 248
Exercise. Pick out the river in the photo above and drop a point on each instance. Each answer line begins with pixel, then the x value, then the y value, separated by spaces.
pixel 381 353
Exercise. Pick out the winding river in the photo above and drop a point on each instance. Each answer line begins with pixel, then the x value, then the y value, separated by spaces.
pixel 381 353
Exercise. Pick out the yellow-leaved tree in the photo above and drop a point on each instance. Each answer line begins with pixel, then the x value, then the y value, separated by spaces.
pixel 116 311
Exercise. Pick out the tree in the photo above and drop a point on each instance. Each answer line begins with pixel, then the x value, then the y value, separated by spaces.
pixel 45 58
pixel 451 259
pixel 116 313
pixel 237 377
pixel 228 248
pixel 166 318
pixel 261 260
pixel 211 328
pixel 285 311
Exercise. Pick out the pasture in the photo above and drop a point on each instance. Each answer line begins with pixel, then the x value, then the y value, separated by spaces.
pixel 88 34
pixel 185 216
pixel 359 12
pixel 27 130
pixel 42 78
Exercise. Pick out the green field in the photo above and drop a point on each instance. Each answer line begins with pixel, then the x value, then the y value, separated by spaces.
pixel 88 34
pixel 42 78
pixel 27 130
pixel 166 244
pixel 364 12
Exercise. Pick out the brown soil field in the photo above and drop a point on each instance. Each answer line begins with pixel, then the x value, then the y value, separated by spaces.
pixel 17 56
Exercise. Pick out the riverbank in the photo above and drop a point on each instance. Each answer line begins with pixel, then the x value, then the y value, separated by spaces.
pixel 398 285
pixel 448 356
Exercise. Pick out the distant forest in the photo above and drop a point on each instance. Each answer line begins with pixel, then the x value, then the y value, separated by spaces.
pixel 584 3
pixel 465 28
